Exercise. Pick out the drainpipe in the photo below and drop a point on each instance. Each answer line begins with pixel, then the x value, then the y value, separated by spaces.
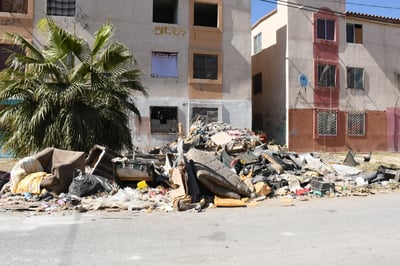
pixel 395 126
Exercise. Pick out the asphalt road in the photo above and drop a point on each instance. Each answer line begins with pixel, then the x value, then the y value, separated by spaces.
pixel 342 231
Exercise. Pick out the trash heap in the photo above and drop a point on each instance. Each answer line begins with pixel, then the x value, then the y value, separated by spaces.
pixel 217 165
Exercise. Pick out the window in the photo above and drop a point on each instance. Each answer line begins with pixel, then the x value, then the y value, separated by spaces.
pixel 165 11
pixel 163 119
pixel 206 15
pixel 326 29
pixel 61 8
pixel 257 83
pixel 257 43
pixel 356 124
pixel 327 123
pixel 355 78
pixel 164 65
pixel 205 66
pixel 206 115
pixel 326 75
pixel 354 33
pixel 14 6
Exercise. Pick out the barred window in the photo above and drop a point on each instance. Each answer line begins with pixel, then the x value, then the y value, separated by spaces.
pixel 61 8
pixel 205 66
pixel 327 123
pixel 326 75
pixel 355 78
pixel 356 124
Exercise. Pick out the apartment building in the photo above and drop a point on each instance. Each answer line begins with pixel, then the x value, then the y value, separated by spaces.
pixel 325 79
pixel 195 57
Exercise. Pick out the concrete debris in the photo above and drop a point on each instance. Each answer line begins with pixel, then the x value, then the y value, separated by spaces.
pixel 217 165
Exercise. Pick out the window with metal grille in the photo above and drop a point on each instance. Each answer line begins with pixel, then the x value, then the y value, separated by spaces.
pixel 354 33
pixel 326 29
pixel 165 11
pixel 327 123
pixel 355 78
pixel 326 75
pixel 355 123
pixel 14 6
pixel 205 14
pixel 61 8
pixel 163 119
pixel 257 43
pixel 205 66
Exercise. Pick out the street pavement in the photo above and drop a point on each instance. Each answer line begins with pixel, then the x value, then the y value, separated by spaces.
pixel 327 231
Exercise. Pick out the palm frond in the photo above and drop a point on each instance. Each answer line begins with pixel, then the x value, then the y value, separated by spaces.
pixel 102 37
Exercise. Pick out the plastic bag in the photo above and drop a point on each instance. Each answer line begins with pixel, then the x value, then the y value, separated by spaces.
pixel 86 184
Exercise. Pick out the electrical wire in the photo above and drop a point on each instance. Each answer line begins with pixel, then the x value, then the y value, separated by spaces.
pixel 368 5
pixel 313 8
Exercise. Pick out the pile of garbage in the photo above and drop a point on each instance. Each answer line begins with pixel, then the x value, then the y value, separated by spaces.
pixel 217 165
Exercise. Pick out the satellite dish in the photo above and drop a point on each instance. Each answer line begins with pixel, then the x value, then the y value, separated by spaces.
pixel 303 80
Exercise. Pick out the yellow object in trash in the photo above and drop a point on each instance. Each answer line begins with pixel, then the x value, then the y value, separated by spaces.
pixel 142 185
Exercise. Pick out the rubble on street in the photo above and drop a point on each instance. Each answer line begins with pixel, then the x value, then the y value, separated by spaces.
pixel 217 165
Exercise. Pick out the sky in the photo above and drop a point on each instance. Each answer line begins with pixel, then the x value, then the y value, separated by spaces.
pixel 259 8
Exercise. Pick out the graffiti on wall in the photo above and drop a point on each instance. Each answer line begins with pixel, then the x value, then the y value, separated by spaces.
pixel 169 30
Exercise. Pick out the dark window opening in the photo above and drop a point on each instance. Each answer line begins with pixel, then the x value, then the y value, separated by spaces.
pixel 165 11
pixel 354 33
pixel 14 6
pixel 257 122
pixel 206 15
pixel 205 66
pixel 257 83
pixel 164 119
pixel 326 29
pixel 326 75
pixel 5 51
pixel 206 115
pixel 61 8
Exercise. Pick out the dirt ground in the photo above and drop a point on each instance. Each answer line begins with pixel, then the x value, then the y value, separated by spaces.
pixel 387 159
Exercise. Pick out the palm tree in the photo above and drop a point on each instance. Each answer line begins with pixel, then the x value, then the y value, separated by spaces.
pixel 69 95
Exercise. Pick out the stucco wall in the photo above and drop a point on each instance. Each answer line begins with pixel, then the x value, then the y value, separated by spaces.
pixel 134 27
pixel 379 55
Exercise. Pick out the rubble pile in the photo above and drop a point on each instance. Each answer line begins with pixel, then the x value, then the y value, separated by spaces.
pixel 217 165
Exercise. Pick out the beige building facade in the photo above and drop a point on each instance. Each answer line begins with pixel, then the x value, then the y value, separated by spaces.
pixel 194 55
pixel 325 79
